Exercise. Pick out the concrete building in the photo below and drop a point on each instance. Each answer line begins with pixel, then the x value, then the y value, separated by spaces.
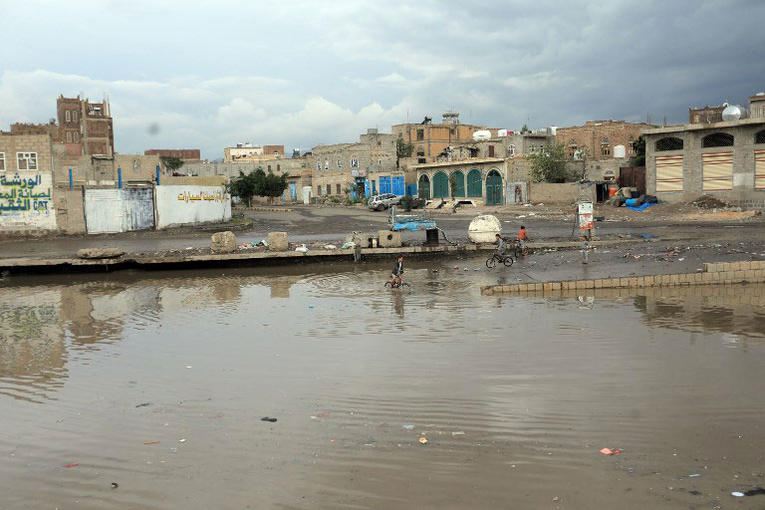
pixel 430 140
pixel 187 155
pixel 85 128
pixel 480 179
pixel 601 139
pixel 248 153
pixel 371 163
pixel 724 159
pixel 705 115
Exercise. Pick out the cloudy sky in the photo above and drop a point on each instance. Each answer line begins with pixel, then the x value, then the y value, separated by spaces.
pixel 210 74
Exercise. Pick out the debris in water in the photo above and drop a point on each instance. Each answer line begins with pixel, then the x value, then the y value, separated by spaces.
pixel 144 404
pixel 71 465
pixel 407 426
pixel 737 494
pixel 458 433
pixel 423 440
pixel 694 475
pixel 270 420
pixel 115 485
pixel 182 440
pixel 151 442
pixel 609 451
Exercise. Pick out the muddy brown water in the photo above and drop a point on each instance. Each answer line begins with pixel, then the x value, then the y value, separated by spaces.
pixel 158 382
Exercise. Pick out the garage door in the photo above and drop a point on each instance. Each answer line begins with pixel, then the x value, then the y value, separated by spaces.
pixel 717 171
pixel 669 173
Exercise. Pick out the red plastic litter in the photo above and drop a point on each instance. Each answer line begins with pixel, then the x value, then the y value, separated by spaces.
pixel 71 465
pixel 609 451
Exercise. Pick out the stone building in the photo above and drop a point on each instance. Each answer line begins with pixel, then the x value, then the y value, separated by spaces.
pixel 601 139
pixel 757 106
pixel 479 179
pixel 724 159
pixel 187 155
pixel 430 140
pixel 705 115
pixel 370 162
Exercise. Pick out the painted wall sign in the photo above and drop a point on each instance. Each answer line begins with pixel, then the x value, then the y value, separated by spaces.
pixel 26 201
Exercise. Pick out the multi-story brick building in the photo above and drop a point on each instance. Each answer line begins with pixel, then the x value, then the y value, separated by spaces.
pixel 601 139
pixel 757 106
pixel 187 155
pixel 85 128
pixel 430 140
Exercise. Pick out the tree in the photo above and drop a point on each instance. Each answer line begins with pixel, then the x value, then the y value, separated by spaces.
pixel 403 149
pixel 549 165
pixel 171 163
pixel 273 185
pixel 524 129
pixel 244 187
pixel 638 147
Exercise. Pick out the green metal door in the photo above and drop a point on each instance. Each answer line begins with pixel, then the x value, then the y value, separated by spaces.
pixel 475 184
pixel 493 188
pixel 440 185
pixel 458 179
pixel 423 187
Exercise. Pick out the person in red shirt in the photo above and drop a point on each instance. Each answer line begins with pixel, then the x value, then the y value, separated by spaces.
pixel 523 236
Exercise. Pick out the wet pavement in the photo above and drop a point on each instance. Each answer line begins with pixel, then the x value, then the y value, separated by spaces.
pixel 158 382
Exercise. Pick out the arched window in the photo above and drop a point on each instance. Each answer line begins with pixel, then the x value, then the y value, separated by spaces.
pixel 423 187
pixel 717 140
pixel 440 185
pixel 760 137
pixel 669 143
pixel 474 183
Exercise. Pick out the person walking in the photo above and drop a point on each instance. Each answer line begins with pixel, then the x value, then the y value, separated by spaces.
pixel 523 237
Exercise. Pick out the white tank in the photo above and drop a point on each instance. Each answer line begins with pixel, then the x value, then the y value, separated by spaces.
pixel 481 134
pixel 620 151
pixel 484 228
pixel 732 112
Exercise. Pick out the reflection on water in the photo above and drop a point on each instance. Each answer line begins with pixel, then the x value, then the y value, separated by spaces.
pixel 526 384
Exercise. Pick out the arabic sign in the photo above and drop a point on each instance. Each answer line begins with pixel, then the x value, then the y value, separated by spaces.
pixel 26 201
pixel 585 215
pixel 181 204
pixel 189 196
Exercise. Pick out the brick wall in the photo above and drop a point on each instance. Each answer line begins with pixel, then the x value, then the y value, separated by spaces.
pixel 590 136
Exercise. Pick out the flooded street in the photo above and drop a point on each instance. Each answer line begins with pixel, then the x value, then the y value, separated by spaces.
pixel 158 382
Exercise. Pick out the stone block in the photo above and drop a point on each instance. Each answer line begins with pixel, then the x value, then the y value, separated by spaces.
pixel 649 281
pixel 389 239
pixel 749 275
pixel 277 241
pixel 100 253
pixel 556 285
pixel 599 283
pixel 538 287
pixel 223 242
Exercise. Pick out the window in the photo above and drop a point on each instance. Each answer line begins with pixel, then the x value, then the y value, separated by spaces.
pixel 669 143
pixel 605 148
pixel 269 168
pixel 339 164
pixel 27 160
pixel 68 136
pixel 511 150
pixel 354 163
pixel 760 137
pixel 329 189
pixel 420 134
pixel 67 116
pixel 491 151
pixel 278 168
pixel 2 162
pixel 75 137
pixel 379 162
pixel 717 140
pixel 420 151
pixel 326 164
pixel 337 188
pixel 74 116
pixel 421 161
pixel 318 165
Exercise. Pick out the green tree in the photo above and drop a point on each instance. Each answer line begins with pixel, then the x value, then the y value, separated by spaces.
pixel 171 163
pixel 638 147
pixel 524 129
pixel 273 185
pixel 403 149
pixel 549 165
pixel 243 187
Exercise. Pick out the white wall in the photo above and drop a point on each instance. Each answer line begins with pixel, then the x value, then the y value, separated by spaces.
pixel 118 210
pixel 188 204
pixel 26 201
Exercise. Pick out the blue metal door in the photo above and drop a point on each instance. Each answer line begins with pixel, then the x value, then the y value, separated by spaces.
pixel 385 186
pixel 397 185
pixel 293 191
pixel 367 190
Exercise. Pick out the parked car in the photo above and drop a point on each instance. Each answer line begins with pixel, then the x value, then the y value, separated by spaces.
pixel 380 202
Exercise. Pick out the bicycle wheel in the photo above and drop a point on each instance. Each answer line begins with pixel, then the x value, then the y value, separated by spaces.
pixel 508 261
pixel 491 262
pixel 387 284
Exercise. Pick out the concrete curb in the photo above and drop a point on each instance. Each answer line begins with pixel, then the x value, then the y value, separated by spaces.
pixel 726 273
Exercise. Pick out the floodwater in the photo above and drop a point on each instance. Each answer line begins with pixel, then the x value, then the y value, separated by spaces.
pixel 157 382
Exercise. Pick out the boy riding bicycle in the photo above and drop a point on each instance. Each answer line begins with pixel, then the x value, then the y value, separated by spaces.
pixel 397 275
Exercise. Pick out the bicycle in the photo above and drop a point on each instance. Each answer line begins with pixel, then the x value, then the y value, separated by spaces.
pixel 492 261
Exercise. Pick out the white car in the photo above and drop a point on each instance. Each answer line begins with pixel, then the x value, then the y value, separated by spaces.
pixel 380 202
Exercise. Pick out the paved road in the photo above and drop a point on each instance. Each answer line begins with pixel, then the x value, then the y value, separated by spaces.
pixel 333 224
